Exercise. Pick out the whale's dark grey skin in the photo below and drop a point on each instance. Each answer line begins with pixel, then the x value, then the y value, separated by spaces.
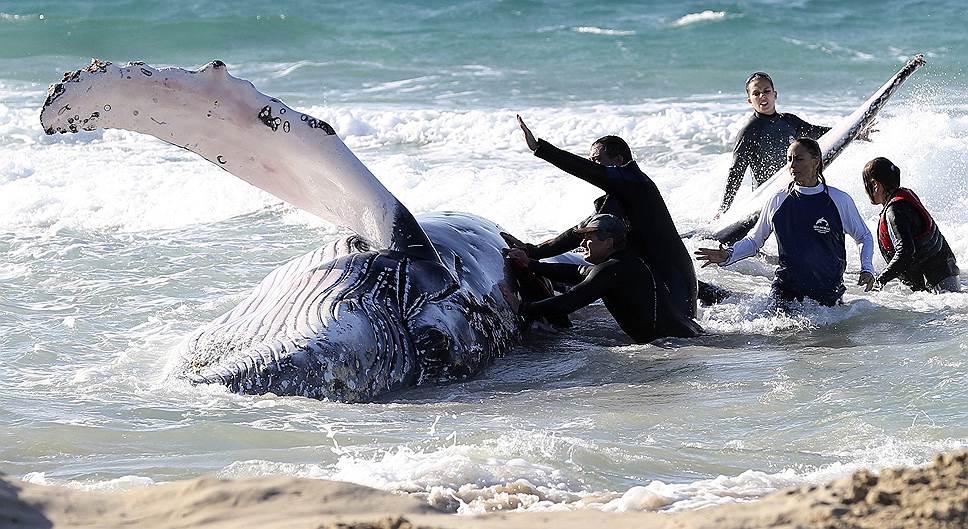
pixel 349 323
pixel 398 303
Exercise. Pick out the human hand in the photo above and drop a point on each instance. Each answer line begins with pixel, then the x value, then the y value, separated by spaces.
pixel 867 280
pixel 713 255
pixel 528 137
pixel 513 241
pixel 865 133
pixel 518 258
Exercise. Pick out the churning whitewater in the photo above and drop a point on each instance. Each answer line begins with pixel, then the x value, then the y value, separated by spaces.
pixel 117 247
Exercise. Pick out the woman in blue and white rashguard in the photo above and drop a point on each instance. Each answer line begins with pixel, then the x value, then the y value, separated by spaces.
pixel 810 219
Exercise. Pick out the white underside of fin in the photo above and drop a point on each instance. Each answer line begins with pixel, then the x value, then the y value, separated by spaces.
pixel 291 155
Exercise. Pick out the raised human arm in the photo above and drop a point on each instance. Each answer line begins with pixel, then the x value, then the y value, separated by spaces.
pixel 589 171
pixel 528 136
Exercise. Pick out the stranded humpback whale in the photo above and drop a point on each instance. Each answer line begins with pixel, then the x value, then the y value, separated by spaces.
pixel 395 304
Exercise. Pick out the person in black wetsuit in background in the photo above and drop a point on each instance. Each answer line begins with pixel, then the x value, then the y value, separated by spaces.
pixel 909 239
pixel 763 141
pixel 632 196
pixel 620 278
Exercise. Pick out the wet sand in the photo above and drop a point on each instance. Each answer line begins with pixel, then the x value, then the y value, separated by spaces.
pixel 925 498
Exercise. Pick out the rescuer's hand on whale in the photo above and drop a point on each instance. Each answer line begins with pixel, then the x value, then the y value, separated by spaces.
pixel 518 258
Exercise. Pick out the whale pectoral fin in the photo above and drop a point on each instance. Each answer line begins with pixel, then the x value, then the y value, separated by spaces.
pixel 737 230
pixel 224 119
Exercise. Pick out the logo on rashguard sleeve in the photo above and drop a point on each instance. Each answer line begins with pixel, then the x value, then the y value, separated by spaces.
pixel 821 226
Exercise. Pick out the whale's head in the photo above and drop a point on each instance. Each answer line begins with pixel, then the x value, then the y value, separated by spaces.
pixel 348 329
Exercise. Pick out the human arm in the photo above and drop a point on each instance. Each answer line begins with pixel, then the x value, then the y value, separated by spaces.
pixel 567 273
pixel 855 227
pixel 899 223
pixel 816 131
pixel 564 242
pixel 589 171
pixel 711 256
pixel 749 245
pixel 742 157
pixel 805 129
pixel 596 284
pixel 573 164
pixel 563 272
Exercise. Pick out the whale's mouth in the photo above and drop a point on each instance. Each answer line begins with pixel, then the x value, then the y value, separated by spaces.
pixel 336 330
pixel 313 370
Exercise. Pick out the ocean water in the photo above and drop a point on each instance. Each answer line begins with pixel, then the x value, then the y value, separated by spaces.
pixel 116 246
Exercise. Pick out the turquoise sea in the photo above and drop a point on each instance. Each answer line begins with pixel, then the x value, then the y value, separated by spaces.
pixel 115 246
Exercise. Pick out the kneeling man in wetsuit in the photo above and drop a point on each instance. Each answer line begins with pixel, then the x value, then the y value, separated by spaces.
pixel 909 239
pixel 621 279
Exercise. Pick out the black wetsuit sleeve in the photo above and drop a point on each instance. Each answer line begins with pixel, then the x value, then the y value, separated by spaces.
pixel 597 284
pixel 805 129
pixel 563 272
pixel 564 242
pixel 742 157
pixel 900 219
pixel 589 171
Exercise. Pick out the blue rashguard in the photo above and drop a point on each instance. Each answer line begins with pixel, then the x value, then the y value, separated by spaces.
pixel 810 224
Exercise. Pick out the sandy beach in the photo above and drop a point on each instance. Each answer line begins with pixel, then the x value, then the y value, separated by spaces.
pixel 931 497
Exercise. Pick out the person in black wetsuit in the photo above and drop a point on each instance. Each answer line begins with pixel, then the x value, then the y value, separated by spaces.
pixel 912 245
pixel 763 141
pixel 633 196
pixel 620 278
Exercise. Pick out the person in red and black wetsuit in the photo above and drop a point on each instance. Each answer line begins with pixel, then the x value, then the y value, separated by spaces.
pixel 912 245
